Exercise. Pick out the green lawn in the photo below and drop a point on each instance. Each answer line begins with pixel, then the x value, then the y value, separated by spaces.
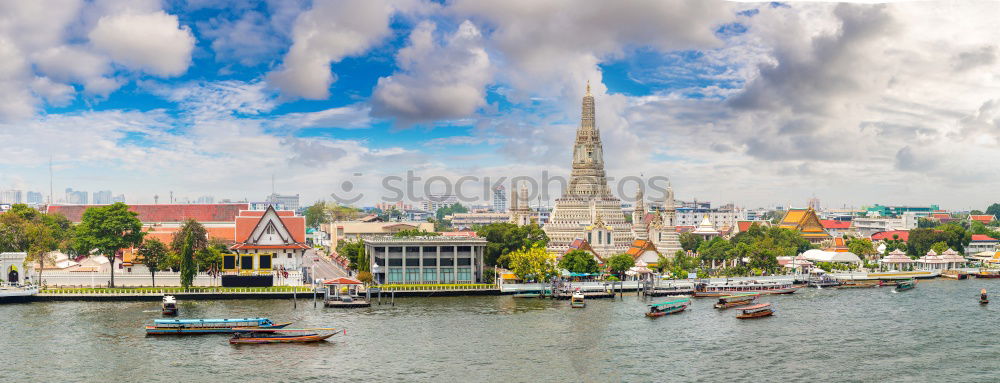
pixel 174 290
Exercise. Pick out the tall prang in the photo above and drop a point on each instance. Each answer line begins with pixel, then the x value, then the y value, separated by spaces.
pixel 587 209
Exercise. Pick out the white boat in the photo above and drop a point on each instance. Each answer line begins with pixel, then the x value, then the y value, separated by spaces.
pixel 716 289
pixel 10 294
pixel 576 301
pixel 888 275
pixel 169 305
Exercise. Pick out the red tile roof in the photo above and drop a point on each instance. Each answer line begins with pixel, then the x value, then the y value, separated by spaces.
pixel 982 218
pixel 835 224
pixel 296 227
pixel 222 212
pixel 982 237
pixel 887 235
pixel 941 215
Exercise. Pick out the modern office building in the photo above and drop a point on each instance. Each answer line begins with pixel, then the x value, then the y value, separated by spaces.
pixel 11 196
pixel 35 198
pixel 288 201
pixel 433 202
pixel 102 197
pixel 499 199
pixel 76 197
pixel 469 220
pixel 437 259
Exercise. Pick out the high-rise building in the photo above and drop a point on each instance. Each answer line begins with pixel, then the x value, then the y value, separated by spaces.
pixel 118 198
pixel 35 198
pixel 76 197
pixel 289 201
pixel 102 197
pixel 433 202
pixel 207 199
pixel 11 196
pixel 499 199
pixel 587 209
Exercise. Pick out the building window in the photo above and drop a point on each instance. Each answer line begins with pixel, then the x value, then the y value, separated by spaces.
pixel 447 276
pixel 464 274
pixel 264 261
pixel 430 261
pixel 447 262
pixel 430 275
pixel 246 262
pixel 395 275
pixel 465 261
pixel 590 238
pixel 412 275
pixel 229 262
pixel 412 261
pixel 609 238
pixel 395 261
pixel 289 255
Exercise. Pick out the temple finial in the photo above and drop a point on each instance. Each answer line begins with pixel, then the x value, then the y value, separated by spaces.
pixel 588 87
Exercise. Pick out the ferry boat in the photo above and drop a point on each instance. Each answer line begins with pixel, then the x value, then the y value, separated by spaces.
pixel 756 311
pixel 888 275
pixel 657 310
pixel 985 274
pixel 208 326
pixel 906 285
pixel 261 336
pixel 736 300
pixel 731 288
pixel 169 305
pixel 576 301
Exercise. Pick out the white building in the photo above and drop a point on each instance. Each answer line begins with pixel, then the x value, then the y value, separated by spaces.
pixel 469 220
pixel 102 197
pixel 289 201
pixel 35 198
pixel 499 199
pixel 726 216
pixel 866 226
pixel 433 202
pixel 11 197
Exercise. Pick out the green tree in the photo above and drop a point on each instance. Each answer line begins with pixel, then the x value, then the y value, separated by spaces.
pixel 620 263
pixel 414 233
pixel 41 240
pixel 690 242
pixel 365 277
pixel 354 251
pixel 317 214
pixel 13 232
pixel 199 236
pixel 863 247
pixel 208 258
pixel 109 229
pixel 925 223
pixel 449 210
pixel 994 210
pixel 716 249
pixel 153 254
pixel 939 247
pixel 533 264
pixel 578 261
pixel 504 238
pixel 188 267
pixel 976 212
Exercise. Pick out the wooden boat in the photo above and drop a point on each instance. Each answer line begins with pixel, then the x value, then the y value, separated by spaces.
pixel 262 336
pixel 954 274
pixel 208 326
pixel 576 301
pixel 983 299
pixel 726 289
pixel 657 310
pixel 756 311
pixel 736 300
pixel 861 285
pixel 169 306
pixel 986 274
pixel 906 285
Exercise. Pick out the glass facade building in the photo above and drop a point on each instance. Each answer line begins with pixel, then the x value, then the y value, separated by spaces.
pixel 426 260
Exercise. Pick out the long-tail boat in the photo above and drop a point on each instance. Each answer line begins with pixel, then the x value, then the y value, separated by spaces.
pixel 660 309
pixel 576 301
pixel 906 285
pixel 736 300
pixel 208 326
pixel 756 311
pixel 983 298
pixel 265 336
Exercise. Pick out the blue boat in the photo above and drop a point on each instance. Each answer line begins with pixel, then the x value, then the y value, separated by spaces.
pixel 666 308
pixel 208 326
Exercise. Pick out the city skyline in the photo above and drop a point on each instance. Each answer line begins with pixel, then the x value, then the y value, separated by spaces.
pixel 757 104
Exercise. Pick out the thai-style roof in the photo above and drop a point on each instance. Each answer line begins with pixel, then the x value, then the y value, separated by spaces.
pixel 640 246
pixel 342 281
pixel 835 224
pixel 897 256
pixel 582 244
pixel 982 238
pixel 887 235
pixel 805 222
pixel 984 218
pixel 706 227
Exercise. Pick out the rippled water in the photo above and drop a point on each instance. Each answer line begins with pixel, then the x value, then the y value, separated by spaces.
pixel 935 332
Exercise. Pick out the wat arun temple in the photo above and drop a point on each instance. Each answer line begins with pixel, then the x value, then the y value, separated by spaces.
pixel 587 211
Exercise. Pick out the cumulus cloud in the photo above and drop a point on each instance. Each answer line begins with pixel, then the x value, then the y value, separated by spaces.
pixel 439 81
pixel 327 33
pixel 155 42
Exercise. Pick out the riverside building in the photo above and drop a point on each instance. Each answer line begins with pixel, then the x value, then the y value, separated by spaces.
pixel 426 260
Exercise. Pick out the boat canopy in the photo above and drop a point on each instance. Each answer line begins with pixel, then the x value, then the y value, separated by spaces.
pixel 755 307
pixel 262 321
pixel 671 303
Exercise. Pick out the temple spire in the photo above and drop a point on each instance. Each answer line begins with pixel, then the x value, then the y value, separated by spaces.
pixel 588 88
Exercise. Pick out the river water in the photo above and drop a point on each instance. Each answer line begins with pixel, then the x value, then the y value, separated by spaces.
pixel 935 332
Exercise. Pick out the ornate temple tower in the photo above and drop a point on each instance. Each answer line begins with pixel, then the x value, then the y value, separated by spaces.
pixel 639 228
pixel 587 204
pixel 520 211
pixel 663 231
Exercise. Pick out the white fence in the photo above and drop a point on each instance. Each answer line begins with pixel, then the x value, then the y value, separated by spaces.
pixel 126 279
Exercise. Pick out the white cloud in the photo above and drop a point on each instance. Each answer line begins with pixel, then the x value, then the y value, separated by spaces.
pixel 437 81
pixel 327 33
pixel 155 42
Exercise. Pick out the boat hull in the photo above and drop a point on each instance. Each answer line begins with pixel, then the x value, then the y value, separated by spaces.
pixel 153 330
pixel 723 293
pixel 759 314
pixel 282 339
pixel 723 306
pixel 667 312
pixel 986 275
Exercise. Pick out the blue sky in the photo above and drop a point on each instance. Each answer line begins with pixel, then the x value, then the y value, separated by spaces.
pixel 761 104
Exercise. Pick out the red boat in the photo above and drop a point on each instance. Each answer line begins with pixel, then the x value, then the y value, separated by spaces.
pixel 258 336
pixel 756 311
